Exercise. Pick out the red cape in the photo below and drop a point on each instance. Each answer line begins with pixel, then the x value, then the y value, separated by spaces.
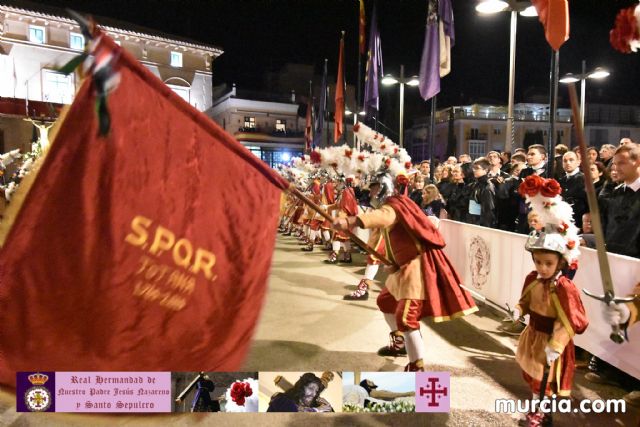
pixel 348 202
pixel 445 298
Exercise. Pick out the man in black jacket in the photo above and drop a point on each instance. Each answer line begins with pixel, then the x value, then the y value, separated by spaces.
pixel 572 183
pixel 536 164
pixel 482 197
pixel 621 211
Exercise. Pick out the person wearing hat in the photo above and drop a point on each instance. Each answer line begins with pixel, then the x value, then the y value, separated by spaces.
pixel 549 296
pixel 422 283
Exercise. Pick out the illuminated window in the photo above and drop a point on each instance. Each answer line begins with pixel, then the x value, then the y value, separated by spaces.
pixel 76 41
pixel 56 87
pixel 477 149
pixel 250 122
pixel 176 59
pixel 37 34
pixel 281 125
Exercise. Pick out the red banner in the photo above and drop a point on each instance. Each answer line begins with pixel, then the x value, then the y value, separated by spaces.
pixel 145 250
pixel 361 30
pixel 338 126
pixel 554 16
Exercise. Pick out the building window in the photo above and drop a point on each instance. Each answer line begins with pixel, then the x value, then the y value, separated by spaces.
pixel 37 34
pixel 497 131
pixel 281 125
pixel 76 41
pixel 477 149
pixel 56 87
pixel 182 91
pixel 249 122
pixel 176 59
pixel 255 151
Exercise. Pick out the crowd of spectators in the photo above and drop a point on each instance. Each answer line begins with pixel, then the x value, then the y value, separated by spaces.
pixel 485 191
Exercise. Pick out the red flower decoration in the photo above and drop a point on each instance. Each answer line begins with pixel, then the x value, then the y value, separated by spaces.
pixel 361 157
pixel 573 265
pixel 383 146
pixel 563 228
pixel 316 157
pixel 407 165
pixel 383 138
pixel 239 392
pixel 550 188
pixel 376 136
pixel 395 150
pixel 531 186
pixel 387 162
pixel 348 153
pixel 334 165
pixel 356 127
pixel 571 244
pixel 625 30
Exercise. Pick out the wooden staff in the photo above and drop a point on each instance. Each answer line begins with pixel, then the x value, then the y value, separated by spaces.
pixel 293 190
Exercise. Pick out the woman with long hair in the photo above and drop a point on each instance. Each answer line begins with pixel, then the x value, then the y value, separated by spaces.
pixel 432 202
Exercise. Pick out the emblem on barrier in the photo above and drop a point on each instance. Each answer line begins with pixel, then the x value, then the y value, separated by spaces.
pixel 479 262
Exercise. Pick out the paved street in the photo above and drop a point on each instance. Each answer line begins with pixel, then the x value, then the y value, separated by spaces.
pixel 306 326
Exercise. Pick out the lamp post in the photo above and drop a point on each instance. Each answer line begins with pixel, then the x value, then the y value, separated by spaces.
pixel 598 74
pixel 389 80
pixel 488 7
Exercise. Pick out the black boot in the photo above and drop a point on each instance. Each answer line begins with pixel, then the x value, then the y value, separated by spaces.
pixel 396 345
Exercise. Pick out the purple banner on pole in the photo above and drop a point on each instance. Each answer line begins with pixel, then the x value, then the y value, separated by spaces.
pixel 435 61
pixel 374 67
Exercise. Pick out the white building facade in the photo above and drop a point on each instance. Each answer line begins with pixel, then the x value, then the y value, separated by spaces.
pixel 34 42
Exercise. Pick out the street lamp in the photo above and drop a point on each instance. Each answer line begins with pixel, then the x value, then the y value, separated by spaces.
pixel 390 80
pixel 597 74
pixel 487 7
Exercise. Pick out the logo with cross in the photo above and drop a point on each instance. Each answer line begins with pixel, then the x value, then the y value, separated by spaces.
pixel 433 392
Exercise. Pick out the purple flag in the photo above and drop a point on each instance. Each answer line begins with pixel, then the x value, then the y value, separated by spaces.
pixel 374 66
pixel 436 59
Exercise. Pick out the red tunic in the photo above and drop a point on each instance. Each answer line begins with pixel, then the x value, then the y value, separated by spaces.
pixel 556 315
pixel 414 237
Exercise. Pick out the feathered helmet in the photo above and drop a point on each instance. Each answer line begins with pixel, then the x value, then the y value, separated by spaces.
pixel 560 233
pixel 242 396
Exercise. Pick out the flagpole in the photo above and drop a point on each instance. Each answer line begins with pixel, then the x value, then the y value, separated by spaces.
pixel 344 93
pixel 553 101
pixel 432 137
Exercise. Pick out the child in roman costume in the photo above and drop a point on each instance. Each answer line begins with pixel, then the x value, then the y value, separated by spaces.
pixel 549 297
pixel 346 205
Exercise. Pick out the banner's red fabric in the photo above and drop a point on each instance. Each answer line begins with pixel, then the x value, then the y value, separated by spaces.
pixel 554 16
pixel 338 125
pixel 146 250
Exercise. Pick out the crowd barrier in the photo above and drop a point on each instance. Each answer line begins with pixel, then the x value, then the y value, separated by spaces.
pixel 494 263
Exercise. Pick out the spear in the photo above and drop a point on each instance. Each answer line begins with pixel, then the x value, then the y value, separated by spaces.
pixel 293 190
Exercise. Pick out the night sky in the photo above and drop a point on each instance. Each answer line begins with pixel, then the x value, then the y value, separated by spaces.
pixel 261 36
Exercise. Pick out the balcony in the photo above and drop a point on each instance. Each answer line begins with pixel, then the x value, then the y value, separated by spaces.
pixel 260 134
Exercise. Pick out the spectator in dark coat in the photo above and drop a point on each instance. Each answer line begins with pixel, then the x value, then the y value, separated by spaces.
pixel 482 195
pixel 572 183
pixel 621 211
pixel 458 201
